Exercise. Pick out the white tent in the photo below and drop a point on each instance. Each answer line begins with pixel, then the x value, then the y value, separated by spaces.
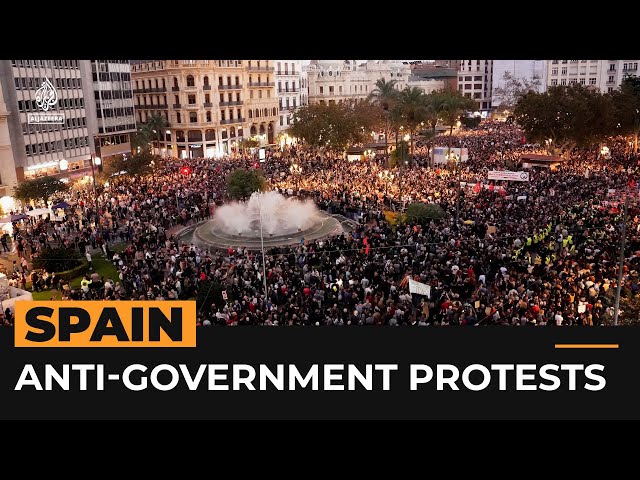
pixel 37 212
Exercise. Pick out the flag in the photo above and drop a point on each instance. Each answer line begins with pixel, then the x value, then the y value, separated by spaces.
pixel 477 187
pixel 419 288
pixel 366 250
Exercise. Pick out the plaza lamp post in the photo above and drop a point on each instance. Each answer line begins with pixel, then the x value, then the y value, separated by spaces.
pixel 95 161
pixel 455 159
pixel 404 161
pixel 387 177
pixel 296 171
pixel 166 141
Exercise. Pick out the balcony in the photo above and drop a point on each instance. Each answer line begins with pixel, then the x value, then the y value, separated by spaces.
pixel 237 86
pixel 141 107
pixel 192 105
pixel 175 89
pixel 208 105
pixel 289 90
pixel 232 120
pixel 262 84
pixel 206 87
pixel 189 88
pixel 630 69
pixel 160 105
pixel 260 69
pixel 280 72
pixel 231 104
pixel 155 90
pixel 176 105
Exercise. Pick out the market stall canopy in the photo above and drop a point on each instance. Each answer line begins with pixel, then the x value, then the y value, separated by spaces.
pixel 38 211
pixel 16 217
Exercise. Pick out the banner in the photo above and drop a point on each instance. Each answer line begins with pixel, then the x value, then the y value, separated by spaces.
pixel 507 175
pixel 419 288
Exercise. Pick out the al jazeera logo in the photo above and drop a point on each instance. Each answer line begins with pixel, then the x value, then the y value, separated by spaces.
pixel 46 100
pixel 105 324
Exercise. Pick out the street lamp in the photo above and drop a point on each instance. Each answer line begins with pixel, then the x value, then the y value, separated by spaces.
pixel 95 161
pixel 387 177
pixel 63 165
pixel 296 171
pixel 166 142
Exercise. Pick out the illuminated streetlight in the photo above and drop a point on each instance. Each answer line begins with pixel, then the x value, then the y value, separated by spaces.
pixel 98 161
pixel 63 164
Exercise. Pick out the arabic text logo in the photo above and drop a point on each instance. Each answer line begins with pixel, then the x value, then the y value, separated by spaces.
pixel 46 95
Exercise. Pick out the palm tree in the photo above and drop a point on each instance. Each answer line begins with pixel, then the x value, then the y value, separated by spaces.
pixel 453 105
pixel 142 137
pixel 385 96
pixel 157 124
pixel 414 109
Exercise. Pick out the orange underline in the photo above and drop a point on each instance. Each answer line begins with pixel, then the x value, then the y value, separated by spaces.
pixel 586 345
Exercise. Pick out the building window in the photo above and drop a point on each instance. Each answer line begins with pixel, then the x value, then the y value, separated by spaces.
pixel 250 93
pixel 592 81
pixel 321 90
pixel 330 90
pixel 583 81
pixel 564 70
pixel 467 86
pixel 554 82
pixel 191 99
pixel 222 115
pixel 563 81
pixel 175 82
pixel 554 71
pixel 208 116
pixel 609 89
pixel 612 67
pixel 190 81
pixel 467 79
pixel 611 79
pixel 259 93
pixel 288 120
pixel 281 121
pixel 178 118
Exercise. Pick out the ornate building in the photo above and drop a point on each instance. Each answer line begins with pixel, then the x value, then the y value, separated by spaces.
pixel 210 105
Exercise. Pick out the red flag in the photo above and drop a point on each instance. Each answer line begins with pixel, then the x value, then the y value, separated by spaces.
pixel 366 250
pixel 477 187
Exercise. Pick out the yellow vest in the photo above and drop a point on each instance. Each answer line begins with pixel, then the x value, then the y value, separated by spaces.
pixel 570 239
pixel 564 242
pixel 529 242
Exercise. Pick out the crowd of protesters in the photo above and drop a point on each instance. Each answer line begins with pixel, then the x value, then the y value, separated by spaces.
pixel 542 252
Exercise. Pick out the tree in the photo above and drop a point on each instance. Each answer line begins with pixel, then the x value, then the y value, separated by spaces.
pixel 385 96
pixel 452 105
pixel 515 88
pixel 157 125
pixel 57 259
pixel 413 109
pixel 400 153
pixel 141 139
pixel 572 115
pixel 241 183
pixel 423 213
pixel 136 165
pixel 626 103
pixel 333 125
pixel 42 188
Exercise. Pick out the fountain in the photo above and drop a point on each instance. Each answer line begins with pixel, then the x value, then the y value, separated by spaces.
pixel 285 221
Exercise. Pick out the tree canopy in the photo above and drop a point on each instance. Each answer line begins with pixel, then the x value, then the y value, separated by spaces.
pixel 334 125
pixel 515 88
pixel 136 165
pixel 241 183
pixel 572 115
pixel 42 188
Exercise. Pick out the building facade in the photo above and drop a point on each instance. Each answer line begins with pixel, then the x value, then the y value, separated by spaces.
pixel 605 75
pixel 292 90
pixel 444 75
pixel 210 105
pixel 475 81
pixel 7 164
pixel 47 115
pixel 114 121
pixel 334 81
pixel 520 69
